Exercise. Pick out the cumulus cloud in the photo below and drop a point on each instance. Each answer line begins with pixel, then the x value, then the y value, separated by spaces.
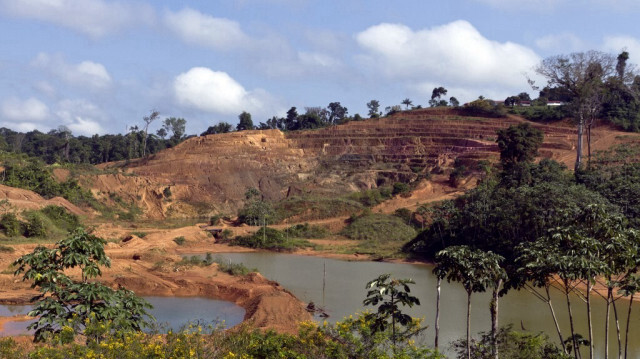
pixel 31 109
pixel 81 116
pixel 200 29
pixel 561 43
pixel 95 18
pixel 215 91
pixel 86 74
pixel 454 54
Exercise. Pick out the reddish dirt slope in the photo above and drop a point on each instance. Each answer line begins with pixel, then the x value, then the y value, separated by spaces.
pixel 210 174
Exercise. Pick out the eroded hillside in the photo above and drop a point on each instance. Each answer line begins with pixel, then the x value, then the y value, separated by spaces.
pixel 211 173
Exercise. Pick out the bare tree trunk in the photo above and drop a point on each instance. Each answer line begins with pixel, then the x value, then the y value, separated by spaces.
pixel 589 145
pixel 615 314
pixel 494 319
pixel 438 311
pixel 626 333
pixel 573 332
pixel 579 144
pixel 468 325
pixel 555 319
pixel 606 324
pixel 589 288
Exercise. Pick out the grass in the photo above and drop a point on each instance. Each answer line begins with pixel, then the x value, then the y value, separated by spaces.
pixel 139 234
pixel 223 265
pixel 271 239
pixel 307 231
pixel 379 227
pixel 312 208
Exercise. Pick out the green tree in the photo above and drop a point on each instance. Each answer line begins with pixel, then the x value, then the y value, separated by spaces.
pixel 176 126
pixel 337 113
pixel 581 75
pixel 67 303
pixel 374 109
pixel 222 127
pixel 147 121
pixel 453 102
pixel 476 270
pixel 518 143
pixel 407 102
pixel 436 97
pixel 245 122
pixel 390 294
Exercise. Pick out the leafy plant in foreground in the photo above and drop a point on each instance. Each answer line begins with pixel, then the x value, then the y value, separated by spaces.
pixel 67 303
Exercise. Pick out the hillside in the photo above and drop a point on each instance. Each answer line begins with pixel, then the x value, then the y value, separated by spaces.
pixel 211 173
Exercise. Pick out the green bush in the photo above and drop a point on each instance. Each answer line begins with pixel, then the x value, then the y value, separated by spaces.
pixel 35 226
pixel 379 227
pixel 401 188
pixel 372 197
pixel 61 218
pixel 312 208
pixel 10 225
pixel 271 239
pixel 180 240
pixel 307 231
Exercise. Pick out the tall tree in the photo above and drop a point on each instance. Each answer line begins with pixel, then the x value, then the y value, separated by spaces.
pixel 581 75
pixel 436 97
pixel 177 126
pixel 374 108
pixel 407 102
pixel 337 113
pixel 147 121
pixel 245 122
pixel 476 270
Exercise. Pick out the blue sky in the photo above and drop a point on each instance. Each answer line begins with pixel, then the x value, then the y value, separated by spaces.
pixel 99 66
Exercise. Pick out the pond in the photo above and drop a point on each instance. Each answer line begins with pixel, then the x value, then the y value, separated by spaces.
pixel 345 281
pixel 170 313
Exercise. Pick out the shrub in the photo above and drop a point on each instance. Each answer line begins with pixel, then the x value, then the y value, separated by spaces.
pixel 214 220
pixel 307 231
pixel 61 218
pixel 10 225
pixel 401 188
pixel 35 226
pixel 139 234
pixel 271 239
pixel 379 227
pixel 6 249
pixel 180 240
pixel 311 208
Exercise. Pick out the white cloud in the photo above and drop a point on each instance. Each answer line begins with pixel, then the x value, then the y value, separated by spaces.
pixel 215 91
pixel 86 127
pixel 455 54
pixel 86 74
pixel 615 44
pixel 561 43
pixel 81 116
pixel 31 109
pixel 197 28
pixel 95 18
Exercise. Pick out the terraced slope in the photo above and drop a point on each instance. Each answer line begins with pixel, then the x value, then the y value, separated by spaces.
pixel 211 173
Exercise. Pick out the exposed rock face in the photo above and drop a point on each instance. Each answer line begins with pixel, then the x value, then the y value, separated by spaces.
pixel 211 173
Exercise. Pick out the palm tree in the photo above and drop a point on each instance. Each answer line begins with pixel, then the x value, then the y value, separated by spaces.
pixel 407 102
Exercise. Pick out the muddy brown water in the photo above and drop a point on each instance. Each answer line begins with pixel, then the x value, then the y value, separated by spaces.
pixel 345 281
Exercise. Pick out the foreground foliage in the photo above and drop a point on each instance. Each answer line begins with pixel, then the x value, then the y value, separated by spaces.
pixel 66 307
